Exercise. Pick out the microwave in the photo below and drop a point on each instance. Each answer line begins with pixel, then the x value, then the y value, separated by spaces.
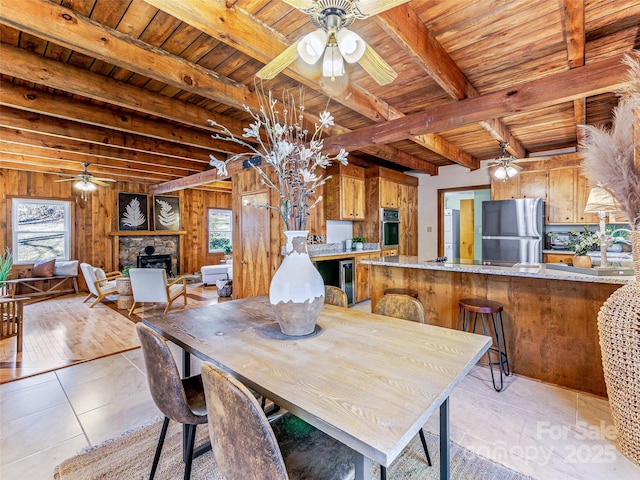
pixel 390 228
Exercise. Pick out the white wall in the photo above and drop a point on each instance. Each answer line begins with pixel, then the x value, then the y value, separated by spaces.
pixel 448 177
pixel 339 230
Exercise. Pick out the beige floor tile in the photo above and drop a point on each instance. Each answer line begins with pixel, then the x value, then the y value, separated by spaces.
pixel 93 370
pixel 40 465
pixel 21 402
pixel 26 382
pixel 32 433
pixel 112 419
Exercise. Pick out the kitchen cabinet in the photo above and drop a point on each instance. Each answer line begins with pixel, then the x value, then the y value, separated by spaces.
pixel 389 252
pixel 345 193
pixel 408 208
pixel 504 189
pixel 527 184
pixel 363 288
pixel 388 193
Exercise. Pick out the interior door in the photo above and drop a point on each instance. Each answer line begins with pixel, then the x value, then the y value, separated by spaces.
pixel 466 230
pixel 254 275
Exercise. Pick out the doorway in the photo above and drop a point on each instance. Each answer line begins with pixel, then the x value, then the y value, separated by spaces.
pixel 468 201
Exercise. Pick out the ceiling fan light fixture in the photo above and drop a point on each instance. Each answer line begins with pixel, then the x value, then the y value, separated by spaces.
pixel 312 45
pixel 85 186
pixel 332 63
pixel 351 45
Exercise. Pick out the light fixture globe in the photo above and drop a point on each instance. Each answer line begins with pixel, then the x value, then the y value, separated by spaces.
pixel 311 46
pixel 332 63
pixel 351 45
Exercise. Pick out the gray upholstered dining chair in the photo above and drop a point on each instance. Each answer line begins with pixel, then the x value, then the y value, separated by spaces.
pixel 180 400
pixel 247 446
pixel 335 296
pixel 404 307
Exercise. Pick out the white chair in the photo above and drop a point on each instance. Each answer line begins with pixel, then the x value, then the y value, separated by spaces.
pixel 99 283
pixel 150 285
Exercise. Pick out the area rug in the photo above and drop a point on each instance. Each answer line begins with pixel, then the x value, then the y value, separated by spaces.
pixel 130 457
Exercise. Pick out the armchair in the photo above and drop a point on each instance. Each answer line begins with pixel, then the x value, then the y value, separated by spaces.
pixel 99 283
pixel 150 285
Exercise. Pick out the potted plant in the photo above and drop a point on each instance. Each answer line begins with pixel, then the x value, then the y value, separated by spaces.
pixel 358 243
pixel 227 253
pixel 6 262
pixel 125 271
pixel 580 243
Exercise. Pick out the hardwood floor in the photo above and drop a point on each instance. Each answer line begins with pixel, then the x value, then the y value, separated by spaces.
pixel 63 331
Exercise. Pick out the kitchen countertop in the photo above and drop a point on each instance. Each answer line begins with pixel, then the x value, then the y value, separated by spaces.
pixel 340 253
pixel 524 270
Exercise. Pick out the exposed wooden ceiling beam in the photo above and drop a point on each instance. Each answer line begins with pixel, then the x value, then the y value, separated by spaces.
pixel 403 24
pixel 592 79
pixel 234 26
pixel 64 27
pixel 54 127
pixel 575 37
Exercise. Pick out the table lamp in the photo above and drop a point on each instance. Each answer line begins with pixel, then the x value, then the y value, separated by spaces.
pixel 601 202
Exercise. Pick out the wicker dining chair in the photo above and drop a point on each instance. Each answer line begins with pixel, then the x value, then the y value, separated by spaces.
pixel 335 296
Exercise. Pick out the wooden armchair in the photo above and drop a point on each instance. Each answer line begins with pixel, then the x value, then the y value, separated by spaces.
pixel 11 320
pixel 99 283
pixel 150 285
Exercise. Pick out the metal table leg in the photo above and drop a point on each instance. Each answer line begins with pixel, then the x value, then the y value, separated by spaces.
pixel 363 467
pixel 445 459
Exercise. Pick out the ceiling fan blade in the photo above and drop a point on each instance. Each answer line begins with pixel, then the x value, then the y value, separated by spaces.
pixel 282 61
pixel 100 182
pixel 299 4
pixel 375 66
pixel 374 7
pixel 103 179
pixel 66 180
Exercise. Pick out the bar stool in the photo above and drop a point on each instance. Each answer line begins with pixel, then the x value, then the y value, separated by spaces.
pixel 401 291
pixel 472 307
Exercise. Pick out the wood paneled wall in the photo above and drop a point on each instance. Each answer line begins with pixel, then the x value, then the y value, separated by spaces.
pixel 95 218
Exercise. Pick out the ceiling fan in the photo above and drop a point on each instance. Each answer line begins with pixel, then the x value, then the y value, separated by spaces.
pixel 86 181
pixel 333 42
pixel 505 163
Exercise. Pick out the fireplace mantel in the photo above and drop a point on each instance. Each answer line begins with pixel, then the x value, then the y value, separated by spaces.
pixel 135 233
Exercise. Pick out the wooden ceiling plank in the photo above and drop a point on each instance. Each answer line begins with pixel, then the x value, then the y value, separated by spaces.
pixel 592 79
pixel 234 26
pixel 404 25
pixel 172 138
pixel 574 28
pixel 63 26
pixel 34 139
pixel 44 71
pixel 38 123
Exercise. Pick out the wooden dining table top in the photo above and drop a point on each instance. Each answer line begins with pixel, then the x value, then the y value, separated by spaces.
pixel 368 380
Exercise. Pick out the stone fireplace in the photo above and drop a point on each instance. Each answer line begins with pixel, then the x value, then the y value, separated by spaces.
pixel 130 248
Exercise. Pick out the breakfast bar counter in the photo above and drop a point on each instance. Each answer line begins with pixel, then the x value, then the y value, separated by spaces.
pixel 550 316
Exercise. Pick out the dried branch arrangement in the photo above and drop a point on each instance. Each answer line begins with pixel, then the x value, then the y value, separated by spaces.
pixel 608 153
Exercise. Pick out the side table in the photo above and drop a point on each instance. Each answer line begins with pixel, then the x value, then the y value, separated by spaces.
pixel 125 299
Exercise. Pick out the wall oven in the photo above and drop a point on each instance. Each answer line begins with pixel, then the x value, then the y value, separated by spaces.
pixel 390 228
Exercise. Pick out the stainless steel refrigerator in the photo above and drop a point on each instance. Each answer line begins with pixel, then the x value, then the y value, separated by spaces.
pixel 512 231
pixel 451 233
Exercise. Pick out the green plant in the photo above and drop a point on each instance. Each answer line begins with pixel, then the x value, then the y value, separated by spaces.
pixel 581 242
pixel 125 271
pixel 6 262
pixel 357 239
pixel 228 249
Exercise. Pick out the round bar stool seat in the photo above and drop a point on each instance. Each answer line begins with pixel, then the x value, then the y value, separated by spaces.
pixel 401 291
pixel 471 309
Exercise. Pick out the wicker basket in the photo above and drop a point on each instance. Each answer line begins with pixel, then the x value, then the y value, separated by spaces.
pixel 619 329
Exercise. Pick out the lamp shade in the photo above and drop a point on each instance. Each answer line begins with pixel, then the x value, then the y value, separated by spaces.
pixel 351 45
pixel 311 46
pixel 601 200
pixel 85 186
pixel 505 171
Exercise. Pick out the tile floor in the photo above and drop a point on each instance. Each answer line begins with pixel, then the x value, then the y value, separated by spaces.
pixel 544 431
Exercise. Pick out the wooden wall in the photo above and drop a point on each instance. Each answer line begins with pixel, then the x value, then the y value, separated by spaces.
pixel 95 218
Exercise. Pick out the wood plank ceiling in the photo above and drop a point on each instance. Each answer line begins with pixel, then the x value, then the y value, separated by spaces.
pixel 128 85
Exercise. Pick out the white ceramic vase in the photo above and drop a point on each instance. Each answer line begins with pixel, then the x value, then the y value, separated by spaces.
pixel 297 288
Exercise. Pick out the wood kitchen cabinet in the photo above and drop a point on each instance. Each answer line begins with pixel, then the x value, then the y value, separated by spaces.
pixel 408 207
pixel 345 193
pixel 389 252
pixel 363 288
pixel 388 193
pixel 527 184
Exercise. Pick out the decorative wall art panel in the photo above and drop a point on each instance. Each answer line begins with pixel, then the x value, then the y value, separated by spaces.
pixel 133 211
pixel 166 212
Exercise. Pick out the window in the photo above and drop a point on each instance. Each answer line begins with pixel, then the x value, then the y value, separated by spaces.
pixel 220 229
pixel 41 229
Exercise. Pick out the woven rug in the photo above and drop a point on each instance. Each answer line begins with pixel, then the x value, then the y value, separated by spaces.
pixel 130 457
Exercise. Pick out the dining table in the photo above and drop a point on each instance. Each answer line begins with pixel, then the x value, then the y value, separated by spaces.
pixel 369 381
